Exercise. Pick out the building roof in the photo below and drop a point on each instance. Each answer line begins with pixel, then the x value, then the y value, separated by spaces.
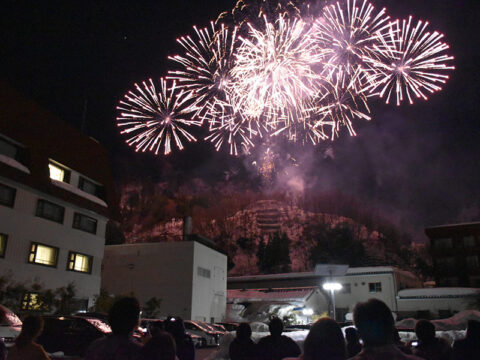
pixel 442 292
pixel 43 136
pixel 285 295
pixel 442 230
pixel 310 274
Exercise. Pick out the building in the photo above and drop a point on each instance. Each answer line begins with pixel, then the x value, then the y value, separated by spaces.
pixel 305 290
pixel 455 251
pixel 189 277
pixel 56 196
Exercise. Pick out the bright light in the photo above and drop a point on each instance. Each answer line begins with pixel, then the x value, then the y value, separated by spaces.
pixel 307 312
pixel 332 286
pixel 56 173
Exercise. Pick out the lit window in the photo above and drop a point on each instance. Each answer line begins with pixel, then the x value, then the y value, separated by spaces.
pixel 7 195
pixel 375 287
pixel 58 173
pixel 85 223
pixel 203 272
pixel 32 301
pixel 3 244
pixel 50 211
pixel 43 255
pixel 90 187
pixel 79 262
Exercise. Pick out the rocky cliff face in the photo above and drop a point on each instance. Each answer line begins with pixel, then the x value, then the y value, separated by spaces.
pixel 238 230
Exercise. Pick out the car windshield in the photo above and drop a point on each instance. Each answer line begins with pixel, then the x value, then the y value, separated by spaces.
pixel 100 325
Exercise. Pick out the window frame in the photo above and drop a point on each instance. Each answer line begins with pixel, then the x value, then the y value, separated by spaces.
pixel 69 261
pixel 98 187
pixel 10 204
pixel 78 227
pixel 66 172
pixel 377 287
pixel 3 244
pixel 43 201
pixel 201 271
pixel 30 252
pixel 17 146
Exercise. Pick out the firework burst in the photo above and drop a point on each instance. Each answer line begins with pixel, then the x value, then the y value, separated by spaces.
pixel 348 33
pixel 205 66
pixel 283 69
pixel 152 119
pixel 412 62
pixel 273 72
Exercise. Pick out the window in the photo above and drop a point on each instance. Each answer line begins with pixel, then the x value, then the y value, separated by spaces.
pixel 58 172
pixel 9 149
pixel 203 272
pixel 443 243
pixel 50 211
pixel 90 187
pixel 472 262
pixel 346 289
pixel 375 287
pixel 79 262
pixel 85 223
pixel 7 195
pixel 446 264
pixel 3 245
pixel 469 241
pixel 43 255
pixel 33 302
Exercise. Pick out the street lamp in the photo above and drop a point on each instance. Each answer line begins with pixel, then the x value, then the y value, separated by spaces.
pixel 332 287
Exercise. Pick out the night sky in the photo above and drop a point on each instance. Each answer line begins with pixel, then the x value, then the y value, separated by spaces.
pixel 417 164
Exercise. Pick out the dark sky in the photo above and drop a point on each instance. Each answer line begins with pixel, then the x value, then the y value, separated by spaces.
pixel 417 163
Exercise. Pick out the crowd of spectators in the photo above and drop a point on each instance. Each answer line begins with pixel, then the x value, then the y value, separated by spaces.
pixel 373 337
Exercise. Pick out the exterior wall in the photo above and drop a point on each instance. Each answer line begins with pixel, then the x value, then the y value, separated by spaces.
pixel 23 227
pixel 161 270
pixel 435 307
pixel 455 251
pixel 209 294
pixel 359 286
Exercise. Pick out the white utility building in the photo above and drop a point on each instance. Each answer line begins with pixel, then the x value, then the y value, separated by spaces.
pixel 189 277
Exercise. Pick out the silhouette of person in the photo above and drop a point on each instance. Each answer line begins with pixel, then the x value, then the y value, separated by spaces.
pixel 353 341
pixel 123 318
pixel 277 346
pixel 468 348
pixel 25 346
pixel 324 341
pixel 374 322
pixel 243 347
pixel 430 347
pixel 160 347
pixel 183 342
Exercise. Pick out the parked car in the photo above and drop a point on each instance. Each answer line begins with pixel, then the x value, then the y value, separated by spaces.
pixel 71 334
pixel 229 326
pixel 10 326
pixel 210 336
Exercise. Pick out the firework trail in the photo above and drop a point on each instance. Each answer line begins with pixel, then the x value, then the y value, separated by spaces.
pixel 411 62
pixel 154 119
